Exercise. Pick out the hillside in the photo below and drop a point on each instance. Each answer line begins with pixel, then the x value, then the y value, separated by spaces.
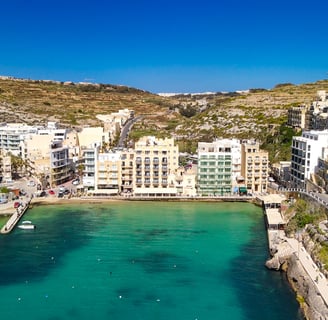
pixel 257 113
pixel 72 105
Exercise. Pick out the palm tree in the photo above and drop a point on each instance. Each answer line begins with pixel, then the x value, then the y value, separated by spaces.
pixel 18 165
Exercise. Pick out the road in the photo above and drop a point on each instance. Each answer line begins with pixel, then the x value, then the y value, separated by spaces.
pixel 125 131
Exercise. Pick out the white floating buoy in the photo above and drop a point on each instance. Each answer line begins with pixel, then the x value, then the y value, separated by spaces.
pixel 158 300
pixel 120 297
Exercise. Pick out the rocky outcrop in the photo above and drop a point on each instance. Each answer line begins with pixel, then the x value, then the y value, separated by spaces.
pixel 307 294
pixel 281 253
pixel 310 300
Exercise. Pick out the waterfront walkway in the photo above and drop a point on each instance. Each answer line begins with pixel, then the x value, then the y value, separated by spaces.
pixel 15 217
pixel 310 267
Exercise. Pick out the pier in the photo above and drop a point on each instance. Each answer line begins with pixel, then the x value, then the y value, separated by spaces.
pixel 15 217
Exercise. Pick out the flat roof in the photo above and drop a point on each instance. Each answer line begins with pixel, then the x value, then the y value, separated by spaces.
pixel 274 217
pixel 272 198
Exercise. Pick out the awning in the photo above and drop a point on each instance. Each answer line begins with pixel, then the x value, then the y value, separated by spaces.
pixel 242 189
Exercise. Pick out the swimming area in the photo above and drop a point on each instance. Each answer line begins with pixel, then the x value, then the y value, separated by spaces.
pixel 142 260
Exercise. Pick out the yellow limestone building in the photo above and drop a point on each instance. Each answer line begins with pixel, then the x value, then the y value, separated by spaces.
pixel 254 166
pixel 155 162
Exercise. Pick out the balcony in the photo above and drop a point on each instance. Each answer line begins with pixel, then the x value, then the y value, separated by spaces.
pixel 126 178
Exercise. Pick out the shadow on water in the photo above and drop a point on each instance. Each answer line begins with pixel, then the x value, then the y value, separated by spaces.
pixel 160 262
pixel 33 254
pixel 251 279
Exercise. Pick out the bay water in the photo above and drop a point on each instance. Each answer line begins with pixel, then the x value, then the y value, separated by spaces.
pixel 142 260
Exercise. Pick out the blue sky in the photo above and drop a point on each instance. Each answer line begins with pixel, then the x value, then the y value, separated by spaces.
pixel 166 46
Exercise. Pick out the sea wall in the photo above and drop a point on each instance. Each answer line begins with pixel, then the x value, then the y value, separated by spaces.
pixel 310 300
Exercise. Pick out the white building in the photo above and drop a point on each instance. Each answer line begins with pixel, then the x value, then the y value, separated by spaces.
pixel 219 166
pixel 12 134
pixel 108 173
pixel 306 151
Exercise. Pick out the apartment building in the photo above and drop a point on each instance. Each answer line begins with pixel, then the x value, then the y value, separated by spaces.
pixel 297 116
pixel 128 174
pixel 254 166
pixel 108 174
pixel 13 134
pixel 60 164
pixel 47 159
pixel 186 178
pixel 306 150
pixel 89 160
pixel 219 165
pixel 320 178
pixel 317 113
pixel 90 136
pixel 5 167
pixel 154 166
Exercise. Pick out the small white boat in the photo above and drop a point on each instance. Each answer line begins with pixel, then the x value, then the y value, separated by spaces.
pixel 27 225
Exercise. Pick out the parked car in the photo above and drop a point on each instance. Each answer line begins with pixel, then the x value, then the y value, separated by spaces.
pixel 31 183
pixel 76 182
pixel 16 204
pixel 62 188
pixel 42 194
pixel 51 192
pixel 60 194
pixel 66 191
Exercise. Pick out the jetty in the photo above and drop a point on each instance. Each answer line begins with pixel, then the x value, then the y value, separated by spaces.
pixel 14 218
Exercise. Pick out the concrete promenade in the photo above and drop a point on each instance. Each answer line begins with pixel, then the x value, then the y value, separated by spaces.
pixel 15 217
pixel 310 267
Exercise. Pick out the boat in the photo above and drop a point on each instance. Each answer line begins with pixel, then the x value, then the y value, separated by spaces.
pixel 27 225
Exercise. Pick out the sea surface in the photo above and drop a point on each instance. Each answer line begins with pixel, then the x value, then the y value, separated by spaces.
pixel 142 260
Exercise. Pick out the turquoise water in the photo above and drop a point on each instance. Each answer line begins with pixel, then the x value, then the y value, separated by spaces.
pixel 142 261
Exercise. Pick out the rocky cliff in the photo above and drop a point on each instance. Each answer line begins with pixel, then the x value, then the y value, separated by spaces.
pixel 310 300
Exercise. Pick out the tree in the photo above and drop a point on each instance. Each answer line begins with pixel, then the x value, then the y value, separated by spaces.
pixel 18 165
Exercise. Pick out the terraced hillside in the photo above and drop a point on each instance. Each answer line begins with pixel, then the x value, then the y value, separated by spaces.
pixel 35 102
pixel 257 113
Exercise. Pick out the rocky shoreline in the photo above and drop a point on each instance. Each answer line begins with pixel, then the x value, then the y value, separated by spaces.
pixel 307 294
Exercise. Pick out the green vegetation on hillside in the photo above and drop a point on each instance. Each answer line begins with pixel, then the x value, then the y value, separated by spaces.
pixel 258 113
pixel 305 212
pixel 278 143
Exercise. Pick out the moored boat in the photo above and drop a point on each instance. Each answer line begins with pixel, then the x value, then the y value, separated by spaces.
pixel 27 225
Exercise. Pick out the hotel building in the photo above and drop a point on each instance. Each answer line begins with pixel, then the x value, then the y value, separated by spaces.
pixel 254 166
pixel 306 150
pixel 218 166
pixel 154 165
